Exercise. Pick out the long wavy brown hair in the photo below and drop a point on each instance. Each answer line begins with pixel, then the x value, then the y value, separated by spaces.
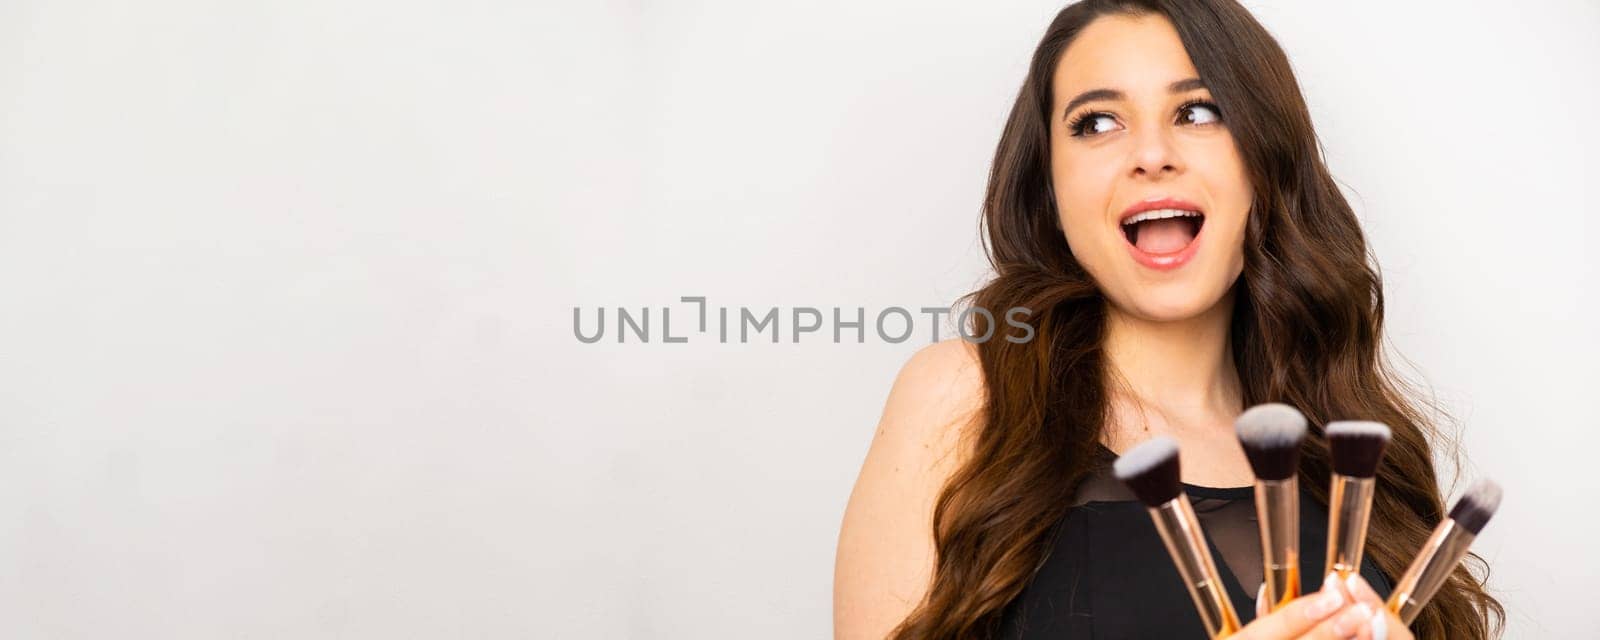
pixel 1306 330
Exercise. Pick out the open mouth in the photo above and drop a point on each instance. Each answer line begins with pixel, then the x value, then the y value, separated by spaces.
pixel 1163 231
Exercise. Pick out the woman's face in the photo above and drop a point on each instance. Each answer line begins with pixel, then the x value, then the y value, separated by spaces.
pixel 1151 191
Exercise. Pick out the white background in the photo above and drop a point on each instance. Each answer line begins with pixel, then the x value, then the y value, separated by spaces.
pixel 286 294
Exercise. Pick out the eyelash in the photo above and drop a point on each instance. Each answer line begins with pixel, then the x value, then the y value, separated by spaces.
pixel 1075 127
pixel 1202 103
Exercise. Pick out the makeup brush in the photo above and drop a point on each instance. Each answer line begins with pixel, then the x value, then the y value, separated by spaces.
pixel 1445 549
pixel 1151 471
pixel 1271 435
pixel 1356 448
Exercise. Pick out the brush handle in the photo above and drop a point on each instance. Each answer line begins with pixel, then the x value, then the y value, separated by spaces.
pixel 1180 531
pixel 1439 557
pixel 1349 506
pixel 1278 512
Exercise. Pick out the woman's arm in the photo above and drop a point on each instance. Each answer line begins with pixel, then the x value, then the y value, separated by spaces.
pixel 886 554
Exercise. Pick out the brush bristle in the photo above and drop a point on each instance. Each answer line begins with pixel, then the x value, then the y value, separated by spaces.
pixel 1271 435
pixel 1151 470
pixel 1477 505
pixel 1356 447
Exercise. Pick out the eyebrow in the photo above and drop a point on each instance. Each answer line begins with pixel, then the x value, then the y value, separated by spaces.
pixel 1181 86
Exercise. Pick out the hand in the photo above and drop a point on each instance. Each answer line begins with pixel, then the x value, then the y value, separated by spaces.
pixel 1384 626
pixel 1330 614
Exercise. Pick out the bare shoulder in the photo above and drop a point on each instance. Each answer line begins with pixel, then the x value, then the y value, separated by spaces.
pixel 886 555
pixel 935 394
pixel 929 416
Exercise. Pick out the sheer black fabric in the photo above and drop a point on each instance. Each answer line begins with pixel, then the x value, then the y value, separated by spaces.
pixel 1108 575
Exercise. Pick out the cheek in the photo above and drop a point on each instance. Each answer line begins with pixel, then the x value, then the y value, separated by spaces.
pixel 1083 189
pixel 1237 190
pixel 1230 191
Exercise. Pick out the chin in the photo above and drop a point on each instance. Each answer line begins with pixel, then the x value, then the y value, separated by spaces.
pixel 1172 301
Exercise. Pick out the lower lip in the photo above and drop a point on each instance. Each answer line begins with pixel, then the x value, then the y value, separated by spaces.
pixel 1166 261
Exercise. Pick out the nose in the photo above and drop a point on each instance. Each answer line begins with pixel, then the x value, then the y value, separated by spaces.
pixel 1154 155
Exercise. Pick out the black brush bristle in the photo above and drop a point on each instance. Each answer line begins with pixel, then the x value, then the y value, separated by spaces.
pixel 1477 505
pixel 1271 434
pixel 1356 447
pixel 1151 471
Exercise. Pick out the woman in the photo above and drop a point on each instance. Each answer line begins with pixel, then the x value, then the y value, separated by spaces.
pixel 1158 200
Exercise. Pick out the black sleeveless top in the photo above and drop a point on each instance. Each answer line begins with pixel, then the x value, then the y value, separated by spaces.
pixel 1108 575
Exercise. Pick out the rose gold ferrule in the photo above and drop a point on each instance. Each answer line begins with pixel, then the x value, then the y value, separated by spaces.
pixel 1349 505
pixel 1180 530
pixel 1439 557
pixel 1278 512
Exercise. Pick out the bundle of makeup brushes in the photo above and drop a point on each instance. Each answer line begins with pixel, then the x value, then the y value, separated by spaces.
pixel 1271 435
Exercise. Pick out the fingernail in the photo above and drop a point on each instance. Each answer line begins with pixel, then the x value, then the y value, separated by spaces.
pixel 1380 626
pixel 1329 600
pixel 1351 622
pixel 1261 600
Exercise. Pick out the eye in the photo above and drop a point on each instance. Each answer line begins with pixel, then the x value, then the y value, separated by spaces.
pixel 1199 112
pixel 1092 124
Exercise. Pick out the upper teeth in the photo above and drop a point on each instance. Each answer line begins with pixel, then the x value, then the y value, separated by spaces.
pixel 1159 214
